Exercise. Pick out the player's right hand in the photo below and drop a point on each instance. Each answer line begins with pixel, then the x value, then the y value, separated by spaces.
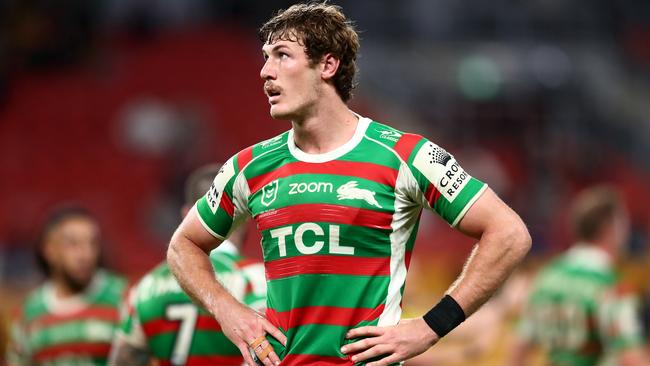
pixel 247 329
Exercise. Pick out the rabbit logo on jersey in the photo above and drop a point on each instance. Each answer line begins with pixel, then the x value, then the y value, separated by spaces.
pixel 351 191
pixel 213 196
pixel 441 169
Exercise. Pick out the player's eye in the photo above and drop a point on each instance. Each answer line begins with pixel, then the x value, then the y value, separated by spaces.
pixel 283 55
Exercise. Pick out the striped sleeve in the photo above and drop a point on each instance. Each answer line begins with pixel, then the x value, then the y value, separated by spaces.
pixel 442 184
pixel 220 210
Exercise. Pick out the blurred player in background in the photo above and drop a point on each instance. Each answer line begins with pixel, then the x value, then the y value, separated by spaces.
pixel 72 317
pixel 163 324
pixel 578 310
pixel 337 200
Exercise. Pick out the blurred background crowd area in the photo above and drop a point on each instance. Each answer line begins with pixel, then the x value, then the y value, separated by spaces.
pixel 111 103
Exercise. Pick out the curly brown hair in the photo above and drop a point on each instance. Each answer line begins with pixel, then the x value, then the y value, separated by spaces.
pixel 321 28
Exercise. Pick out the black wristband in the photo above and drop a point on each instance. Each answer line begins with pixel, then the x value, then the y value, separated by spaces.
pixel 445 316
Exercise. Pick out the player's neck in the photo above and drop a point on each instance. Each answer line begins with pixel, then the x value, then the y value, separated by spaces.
pixel 606 246
pixel 62 290
pixel 324 130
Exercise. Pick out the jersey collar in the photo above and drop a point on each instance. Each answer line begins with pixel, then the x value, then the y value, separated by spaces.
pixel 73 303
pixel 360 131
pixel 590 256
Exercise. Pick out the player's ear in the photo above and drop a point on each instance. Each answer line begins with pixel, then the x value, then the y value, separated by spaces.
pixel 329 66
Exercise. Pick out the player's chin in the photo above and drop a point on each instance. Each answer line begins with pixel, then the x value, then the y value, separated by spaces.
pixel 280 113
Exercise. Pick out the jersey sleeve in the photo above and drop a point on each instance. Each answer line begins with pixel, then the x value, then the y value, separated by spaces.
pixel 619 321
pixel 441 184
pixel 223 207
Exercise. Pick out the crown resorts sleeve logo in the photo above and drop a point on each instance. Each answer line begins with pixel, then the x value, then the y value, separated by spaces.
pixel 439 156
pixel 350 191
pixel 215 192
pixel 269 193
pixel 441 168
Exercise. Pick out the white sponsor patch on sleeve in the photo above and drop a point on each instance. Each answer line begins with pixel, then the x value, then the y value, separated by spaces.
pixel 441 169
pixel 226 172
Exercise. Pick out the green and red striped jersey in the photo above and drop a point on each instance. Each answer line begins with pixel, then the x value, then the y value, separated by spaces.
pixel 579 312
pixel 161 318
pixel 71 331
pixel 337 229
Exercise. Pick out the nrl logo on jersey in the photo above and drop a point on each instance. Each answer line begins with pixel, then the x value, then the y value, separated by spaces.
pixel 269 193
pixel 389 135
pixel 350 191
pixel 271 142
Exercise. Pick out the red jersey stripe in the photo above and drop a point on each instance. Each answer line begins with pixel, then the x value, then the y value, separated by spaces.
pixel 328 315
pixel 108 314
pixel 244 157
pixel 158 326
pixel 407 258
pixel 299 360
pixel 91 349
pixel 327 264
pixel 226 204
pixel 406 143
pixel 245 262
pixel 208 361
pixel 374 172
pixel 432 194
pixel 335 214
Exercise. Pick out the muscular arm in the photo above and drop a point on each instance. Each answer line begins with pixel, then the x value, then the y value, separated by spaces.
pixel 188 259
pixel 503 243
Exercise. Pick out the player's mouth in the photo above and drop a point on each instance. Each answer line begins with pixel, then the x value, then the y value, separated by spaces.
pixel 273 93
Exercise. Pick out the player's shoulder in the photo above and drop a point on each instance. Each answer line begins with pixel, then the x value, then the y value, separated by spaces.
pixel 156 285
pixel 34 304
pixel 109 288
pixel 160 271
pixel 404 144
pixel 383 133
pixel 112 281
pixel 254 152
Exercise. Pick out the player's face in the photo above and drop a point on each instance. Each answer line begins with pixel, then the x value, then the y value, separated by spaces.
pixel 290 82
pixel 72 251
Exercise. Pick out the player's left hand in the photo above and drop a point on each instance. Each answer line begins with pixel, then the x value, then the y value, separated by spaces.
pixel 396 343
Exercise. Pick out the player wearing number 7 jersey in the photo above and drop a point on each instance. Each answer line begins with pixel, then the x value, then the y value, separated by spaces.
pixel 161 323
pixel 337 200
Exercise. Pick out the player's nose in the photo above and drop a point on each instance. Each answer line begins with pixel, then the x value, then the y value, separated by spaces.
pixel 267 71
